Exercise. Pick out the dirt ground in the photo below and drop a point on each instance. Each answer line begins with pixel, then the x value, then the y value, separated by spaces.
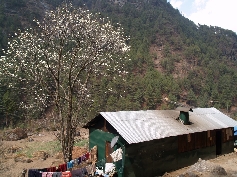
pixel 225 165
pixel 12 162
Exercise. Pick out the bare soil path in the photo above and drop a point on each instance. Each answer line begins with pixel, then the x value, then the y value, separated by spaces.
pixel 210 168
pixel 40 150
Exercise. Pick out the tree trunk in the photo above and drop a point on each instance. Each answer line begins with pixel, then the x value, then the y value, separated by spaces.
pixel 67 141
pixel 68 138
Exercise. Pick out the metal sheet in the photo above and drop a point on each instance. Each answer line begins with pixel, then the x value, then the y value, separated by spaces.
pixel 140 126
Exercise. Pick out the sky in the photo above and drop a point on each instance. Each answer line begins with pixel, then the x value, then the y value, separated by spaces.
pixel 221 13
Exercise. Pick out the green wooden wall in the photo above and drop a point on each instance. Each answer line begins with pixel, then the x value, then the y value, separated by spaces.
pixel 159 156
pixel 98 138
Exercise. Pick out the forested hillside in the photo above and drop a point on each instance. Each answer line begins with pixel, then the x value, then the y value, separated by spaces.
pixel 173 61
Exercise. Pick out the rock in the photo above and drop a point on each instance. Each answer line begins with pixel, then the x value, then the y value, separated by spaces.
pixel 23 173
pixel 201 166
pixel 30 139
pixel 14 149
pixel 30 134
pixel 14 135
pixel 19 158
pixel 188 174
pixel 40 155
pixel 166 175
pixel 218 170
pixel 28 160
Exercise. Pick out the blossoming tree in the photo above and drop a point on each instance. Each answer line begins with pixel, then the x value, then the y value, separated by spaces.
pixel 54 64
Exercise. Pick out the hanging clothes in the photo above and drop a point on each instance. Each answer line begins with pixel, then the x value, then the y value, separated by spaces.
pixel 99 171
pixel 57 174
pixel 109 167
pixel 87 155
pixel 34 173
pixel 51 169
pixel 66 174
pixel 83 158
pixel 44 174
pixel 62 167
pixel 70 164
pixel 79 160
pixel 77 173
pixel 117 155
pixel 49 174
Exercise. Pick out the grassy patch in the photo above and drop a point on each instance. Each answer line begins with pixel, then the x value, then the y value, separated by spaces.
pixel 81 143
pixel 50 147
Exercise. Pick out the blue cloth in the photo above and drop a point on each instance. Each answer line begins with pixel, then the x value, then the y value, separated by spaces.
pixel 72 162
pixel 69 165
pixel 34 173
pixel 235 131
pixel 79 160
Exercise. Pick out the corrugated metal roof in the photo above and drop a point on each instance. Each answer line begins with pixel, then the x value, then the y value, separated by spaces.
pixel 140 126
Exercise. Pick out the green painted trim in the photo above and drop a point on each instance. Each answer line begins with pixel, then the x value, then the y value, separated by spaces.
pixel 98 138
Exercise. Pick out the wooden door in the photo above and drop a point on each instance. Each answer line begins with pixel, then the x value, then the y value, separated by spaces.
pixel 108 151
pixel 218 142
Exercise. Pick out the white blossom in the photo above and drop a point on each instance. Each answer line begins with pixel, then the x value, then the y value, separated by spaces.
pixel 55 61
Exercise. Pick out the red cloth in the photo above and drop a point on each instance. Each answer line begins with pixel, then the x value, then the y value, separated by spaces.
pixel 52 169
pixel 62 168
pixel 87 155
pixel 66 174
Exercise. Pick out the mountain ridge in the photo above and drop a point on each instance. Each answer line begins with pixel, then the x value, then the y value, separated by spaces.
pixel 171 56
